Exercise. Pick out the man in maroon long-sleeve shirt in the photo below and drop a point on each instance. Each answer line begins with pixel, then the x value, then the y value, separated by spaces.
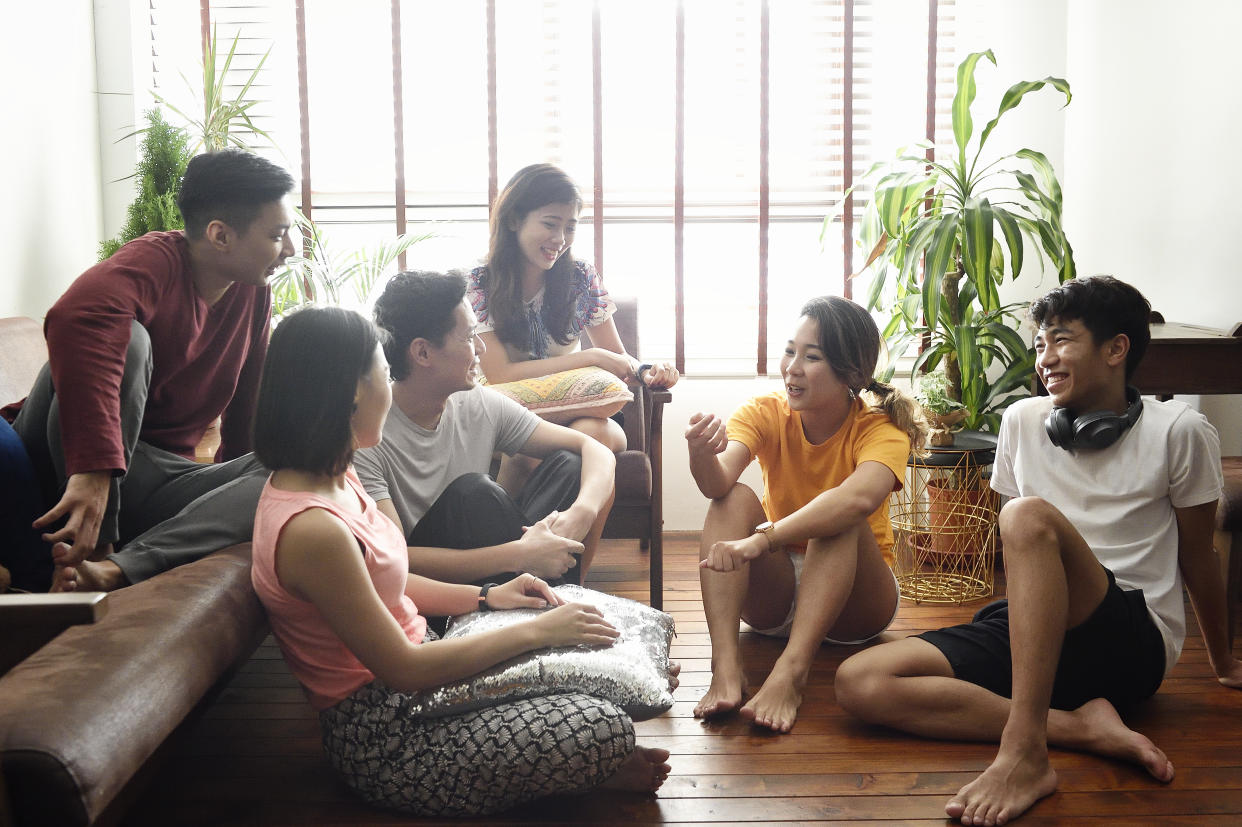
pixel 146 349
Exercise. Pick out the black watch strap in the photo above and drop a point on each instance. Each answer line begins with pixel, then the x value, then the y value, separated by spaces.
pixel 483 607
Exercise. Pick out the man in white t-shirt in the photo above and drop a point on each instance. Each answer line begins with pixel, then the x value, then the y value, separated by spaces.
pixel 429 474
pixel 1114 502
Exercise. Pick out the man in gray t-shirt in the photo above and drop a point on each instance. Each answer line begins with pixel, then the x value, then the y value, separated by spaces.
pixel 429 474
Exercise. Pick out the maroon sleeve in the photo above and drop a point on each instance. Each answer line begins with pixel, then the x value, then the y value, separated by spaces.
pixel 236 431
pixel 87 334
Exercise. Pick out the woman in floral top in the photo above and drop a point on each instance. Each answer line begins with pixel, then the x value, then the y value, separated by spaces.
pixel 533 300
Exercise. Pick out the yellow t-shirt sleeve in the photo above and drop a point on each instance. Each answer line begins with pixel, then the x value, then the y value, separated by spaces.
pixel 888 445
pixel 749 425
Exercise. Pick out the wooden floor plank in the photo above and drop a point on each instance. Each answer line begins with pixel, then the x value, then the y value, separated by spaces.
pixel 254 756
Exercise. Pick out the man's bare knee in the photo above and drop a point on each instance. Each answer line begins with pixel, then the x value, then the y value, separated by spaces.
pixel 868 684
pixel 860 685
pixel 1033 519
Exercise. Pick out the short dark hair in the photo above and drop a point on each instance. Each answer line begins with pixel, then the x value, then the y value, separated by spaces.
pixel 231 185
pixel 417 304
pixel 1106 306
pixel 306 397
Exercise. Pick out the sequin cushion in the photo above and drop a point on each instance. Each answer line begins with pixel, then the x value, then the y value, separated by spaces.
pixel 566 396
pixel 632 673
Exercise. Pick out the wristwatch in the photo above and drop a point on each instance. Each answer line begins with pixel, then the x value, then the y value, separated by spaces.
pixel 483 607
pixel 767 528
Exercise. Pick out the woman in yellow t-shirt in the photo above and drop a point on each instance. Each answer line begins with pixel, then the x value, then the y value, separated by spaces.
pixel 811 561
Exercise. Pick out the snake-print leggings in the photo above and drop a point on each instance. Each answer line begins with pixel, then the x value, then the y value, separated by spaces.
pixel 474 763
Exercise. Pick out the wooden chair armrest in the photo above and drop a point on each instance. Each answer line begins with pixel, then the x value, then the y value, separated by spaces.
pixel 31 620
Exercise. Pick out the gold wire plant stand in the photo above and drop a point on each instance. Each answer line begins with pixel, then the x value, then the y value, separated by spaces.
pixel 944 523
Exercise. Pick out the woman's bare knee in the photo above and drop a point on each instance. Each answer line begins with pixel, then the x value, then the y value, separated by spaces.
pixel 738 510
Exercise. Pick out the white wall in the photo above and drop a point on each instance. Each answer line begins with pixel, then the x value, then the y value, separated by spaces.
pixel 50 219
pixel 1152 170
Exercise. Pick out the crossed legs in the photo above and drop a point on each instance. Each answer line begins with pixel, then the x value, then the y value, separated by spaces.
pixel 846 592
pixel 1054 584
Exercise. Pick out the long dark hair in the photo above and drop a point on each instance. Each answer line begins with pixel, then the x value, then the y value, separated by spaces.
pixel 850 341
pixel 535 186
pixel 306 397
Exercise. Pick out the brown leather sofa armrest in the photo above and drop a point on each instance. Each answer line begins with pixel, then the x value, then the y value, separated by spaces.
pixel 31 620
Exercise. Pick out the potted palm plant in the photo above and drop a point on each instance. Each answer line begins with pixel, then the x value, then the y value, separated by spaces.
pixel 225 120
pixel 969 223
pixel 322 274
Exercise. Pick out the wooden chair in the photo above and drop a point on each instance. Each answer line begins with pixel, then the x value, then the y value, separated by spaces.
pixel 638 511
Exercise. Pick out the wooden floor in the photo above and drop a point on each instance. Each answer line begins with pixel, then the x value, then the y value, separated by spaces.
pixel 254 757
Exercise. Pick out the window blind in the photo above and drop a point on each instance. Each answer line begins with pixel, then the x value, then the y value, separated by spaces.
pixel 708 137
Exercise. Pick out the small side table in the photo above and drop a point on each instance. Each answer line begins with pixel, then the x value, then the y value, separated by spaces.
pixel 944 523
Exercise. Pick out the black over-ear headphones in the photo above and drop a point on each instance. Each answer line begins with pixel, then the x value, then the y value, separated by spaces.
pixel 1095 430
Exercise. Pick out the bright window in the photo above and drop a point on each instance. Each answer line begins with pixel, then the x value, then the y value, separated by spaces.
pixel 544 111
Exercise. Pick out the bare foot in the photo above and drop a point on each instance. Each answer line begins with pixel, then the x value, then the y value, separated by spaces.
pixel 86 576
pixel 674 671
pixel 1104 733
pixel 725 692
pixel 643 772
pixel 775 705
pixel 1016 779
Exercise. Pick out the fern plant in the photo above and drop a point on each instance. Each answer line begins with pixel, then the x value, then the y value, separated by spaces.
pixel 164 154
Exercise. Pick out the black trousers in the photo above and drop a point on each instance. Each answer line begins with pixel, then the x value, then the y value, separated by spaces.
pixel 474 511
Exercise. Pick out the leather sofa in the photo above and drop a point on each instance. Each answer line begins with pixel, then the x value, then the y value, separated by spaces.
pixel 82 716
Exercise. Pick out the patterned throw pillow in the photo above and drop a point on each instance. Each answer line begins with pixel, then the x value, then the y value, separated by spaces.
pixel 566 396
pixel 632 673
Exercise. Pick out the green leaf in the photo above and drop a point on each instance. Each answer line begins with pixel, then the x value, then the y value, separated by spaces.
pixel 1047 174
pixel 963 126
pixel 968 352
pixel 977 250
pixel 915 248
pixel 833 214
pixel 909 308
pixel 1016 93
pixel 878 281
pixel 938 255
pixel 1017 375
pixel 1068 269
pixel 896 195
pixel 1013 240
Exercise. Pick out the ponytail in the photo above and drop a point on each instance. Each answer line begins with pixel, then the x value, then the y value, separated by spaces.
pixel 903 411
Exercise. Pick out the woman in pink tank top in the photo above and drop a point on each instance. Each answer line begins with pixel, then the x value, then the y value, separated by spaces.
pixel 332 571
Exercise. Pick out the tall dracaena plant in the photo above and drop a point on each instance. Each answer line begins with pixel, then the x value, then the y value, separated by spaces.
pixel 967 222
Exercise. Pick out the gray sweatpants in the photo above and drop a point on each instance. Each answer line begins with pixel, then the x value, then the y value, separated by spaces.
pixel 165 510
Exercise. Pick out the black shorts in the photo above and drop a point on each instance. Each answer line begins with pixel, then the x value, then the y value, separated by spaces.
pixel 1117 653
